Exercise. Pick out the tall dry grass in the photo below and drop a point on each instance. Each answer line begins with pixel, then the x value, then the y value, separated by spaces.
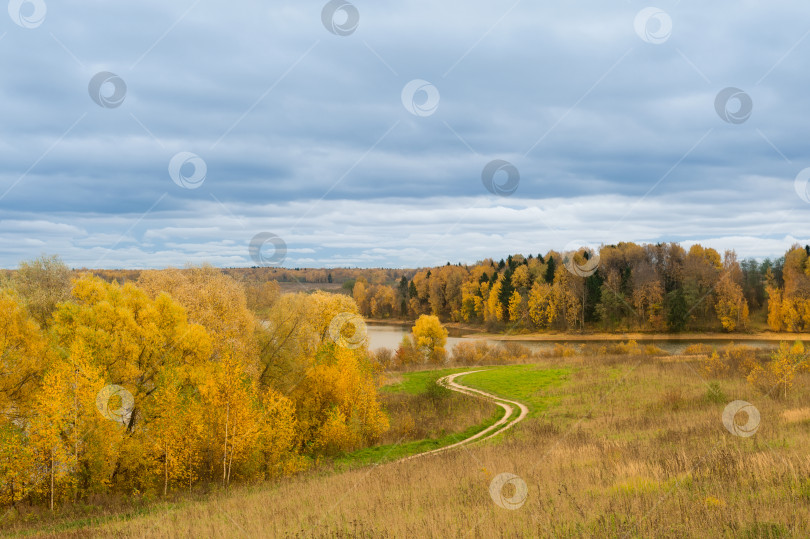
pixel 432 414
pixel 634 448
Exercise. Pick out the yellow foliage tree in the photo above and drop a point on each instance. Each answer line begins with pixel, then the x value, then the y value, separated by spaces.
pixel 338 408
pixel 176 429
pixel 384 302
pixel 429 336
pixel 566 300
pixel 131 341
pixel 213 300
pixel 22 356
pixel 542 308
pixel 278 435
pixel 780 371
pixel 731 307
pixel 360 295
pixel 494 310
pixel 517 308
pixel 470 302
pixel 16 464
pixel 231 419
pixel 520 277
pixel 51 455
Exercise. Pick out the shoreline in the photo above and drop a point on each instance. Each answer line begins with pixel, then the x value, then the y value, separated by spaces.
pixel 480 333
pixel 550 337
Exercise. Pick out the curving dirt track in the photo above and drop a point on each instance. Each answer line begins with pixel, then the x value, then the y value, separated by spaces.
pixel 504 423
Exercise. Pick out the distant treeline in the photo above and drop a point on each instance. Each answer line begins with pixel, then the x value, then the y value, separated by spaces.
pixel 623 287
pixel 660 287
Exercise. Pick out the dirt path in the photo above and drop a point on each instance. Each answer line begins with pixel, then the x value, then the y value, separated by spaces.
pixel 504 423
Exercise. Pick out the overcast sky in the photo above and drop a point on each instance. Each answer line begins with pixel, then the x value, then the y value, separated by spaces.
pixel 154 134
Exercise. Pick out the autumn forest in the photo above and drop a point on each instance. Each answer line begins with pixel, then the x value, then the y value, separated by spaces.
pixel 158 381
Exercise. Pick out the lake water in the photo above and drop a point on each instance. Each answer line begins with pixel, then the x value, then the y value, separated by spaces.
pixel 389 336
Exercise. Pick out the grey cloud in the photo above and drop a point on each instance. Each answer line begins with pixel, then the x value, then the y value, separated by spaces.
pixel 592 116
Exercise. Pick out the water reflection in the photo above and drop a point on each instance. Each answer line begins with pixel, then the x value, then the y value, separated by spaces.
pixel 389 336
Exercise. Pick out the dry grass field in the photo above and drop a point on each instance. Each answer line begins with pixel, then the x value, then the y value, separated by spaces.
pixel 630 447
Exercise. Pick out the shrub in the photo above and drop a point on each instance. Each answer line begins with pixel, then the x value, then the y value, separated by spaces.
pixel 697 349
pixel 714 365
pixel 779 372
pixel 624 348
pixel 383 357
pixel 652 350
pixel 406 354
pixel 561 350
pixel 740 358
pixel 473 352
pixel 715 395
pixel 734 360
pixel 513 351
pixel 437 392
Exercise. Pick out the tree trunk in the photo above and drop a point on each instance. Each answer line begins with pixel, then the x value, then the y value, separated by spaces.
pixel 225 452
pixel 51 481
pixel 230 457
pixel 76 425
pixel 165 469
pixel 584 289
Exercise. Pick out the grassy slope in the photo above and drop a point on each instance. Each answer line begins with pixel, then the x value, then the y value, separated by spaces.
pixel 633 447
pixel 417 382
pixel 413 383
pixel 385 453
pixel 524 383
pixel 519 382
